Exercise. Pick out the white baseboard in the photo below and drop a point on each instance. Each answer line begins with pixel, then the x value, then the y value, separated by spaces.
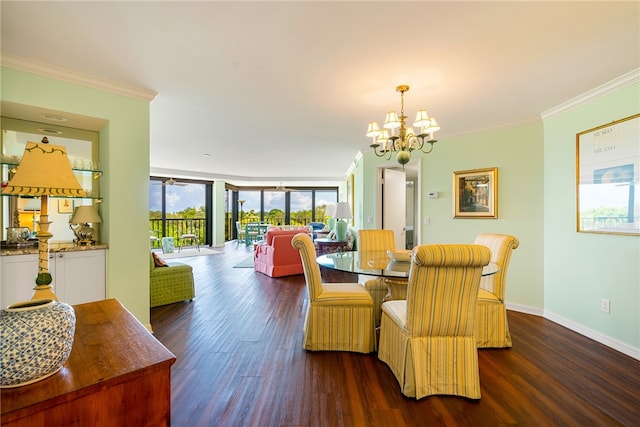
pixel 525 309
pixel 594 335
pixel 581 329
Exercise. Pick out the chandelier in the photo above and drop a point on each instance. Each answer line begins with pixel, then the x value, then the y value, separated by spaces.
pixel 406 140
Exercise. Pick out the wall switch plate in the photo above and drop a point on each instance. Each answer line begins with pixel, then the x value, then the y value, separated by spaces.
pixel 605 305
pixel 433 194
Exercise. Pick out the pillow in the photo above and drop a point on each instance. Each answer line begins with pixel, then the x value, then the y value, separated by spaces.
pixel 157 261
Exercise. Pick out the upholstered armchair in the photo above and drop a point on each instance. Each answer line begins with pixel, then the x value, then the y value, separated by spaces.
pixel 492 328
pixel 276 257
pixel 339 315
pixel 169 282
pixel 376 240
pixel 428 339
pixel 317 226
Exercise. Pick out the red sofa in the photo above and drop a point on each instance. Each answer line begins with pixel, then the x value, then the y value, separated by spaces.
pixel 276 257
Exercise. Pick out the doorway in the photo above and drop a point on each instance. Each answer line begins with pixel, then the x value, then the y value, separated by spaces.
pixel 400 187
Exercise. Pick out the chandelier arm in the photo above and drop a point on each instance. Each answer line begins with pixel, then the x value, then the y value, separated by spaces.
pixel 430 147
pixel 382 153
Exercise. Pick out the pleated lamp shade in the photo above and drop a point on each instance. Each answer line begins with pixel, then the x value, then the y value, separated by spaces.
pixel 44 171
pixel 343 210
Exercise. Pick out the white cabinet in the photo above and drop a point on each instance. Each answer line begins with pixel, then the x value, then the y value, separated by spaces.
pixel 18 274
pixel 78 276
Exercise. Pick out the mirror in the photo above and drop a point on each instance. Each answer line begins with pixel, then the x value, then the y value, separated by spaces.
pixel 83 152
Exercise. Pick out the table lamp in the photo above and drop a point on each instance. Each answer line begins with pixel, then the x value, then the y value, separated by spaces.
pixel 343 211
pixel 82 216
pixel 43 326
pixel 44 171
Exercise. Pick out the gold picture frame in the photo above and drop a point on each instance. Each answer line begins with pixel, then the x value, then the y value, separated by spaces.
pixel 65 206
pixel 475 193
pixel 608 178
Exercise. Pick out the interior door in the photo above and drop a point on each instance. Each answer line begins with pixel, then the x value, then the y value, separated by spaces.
pixel 394 202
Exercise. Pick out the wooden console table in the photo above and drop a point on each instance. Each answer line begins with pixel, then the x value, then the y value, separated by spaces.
pixel 117 374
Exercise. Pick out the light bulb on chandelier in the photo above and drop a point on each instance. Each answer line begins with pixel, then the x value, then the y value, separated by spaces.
pixel 406 140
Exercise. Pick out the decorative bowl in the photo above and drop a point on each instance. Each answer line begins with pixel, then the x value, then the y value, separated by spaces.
pixel 401 255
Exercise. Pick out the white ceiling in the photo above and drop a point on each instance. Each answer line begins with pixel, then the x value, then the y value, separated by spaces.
pixel 283 91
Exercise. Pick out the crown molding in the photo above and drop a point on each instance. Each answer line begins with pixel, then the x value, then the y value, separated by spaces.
pixel 599 92
pixel 248 180
pixel 70 76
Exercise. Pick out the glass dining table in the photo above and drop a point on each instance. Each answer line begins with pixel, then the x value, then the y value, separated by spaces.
pixel 379 264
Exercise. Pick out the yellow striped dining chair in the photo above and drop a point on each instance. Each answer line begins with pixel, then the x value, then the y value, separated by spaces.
pixel 428 339
pixel 339 315
pixel 376 240
pixel 492 328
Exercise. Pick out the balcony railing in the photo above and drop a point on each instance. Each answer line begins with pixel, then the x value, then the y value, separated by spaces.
pixel 296 220
pixel 176 227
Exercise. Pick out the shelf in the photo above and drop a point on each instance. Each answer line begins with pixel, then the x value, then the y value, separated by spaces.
pixel 81 171
pixel 98 172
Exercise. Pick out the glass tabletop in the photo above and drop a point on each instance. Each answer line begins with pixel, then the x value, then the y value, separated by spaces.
pixel 376 263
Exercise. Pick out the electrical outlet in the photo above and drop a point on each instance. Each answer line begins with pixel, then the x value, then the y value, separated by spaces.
pixel 605 305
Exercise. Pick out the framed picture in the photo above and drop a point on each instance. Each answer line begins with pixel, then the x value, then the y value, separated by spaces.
pixel 475 193
pixel 65 206
pixel 608 178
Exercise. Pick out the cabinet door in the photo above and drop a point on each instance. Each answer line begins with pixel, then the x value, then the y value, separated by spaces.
pixel 83 275
pixel 18 276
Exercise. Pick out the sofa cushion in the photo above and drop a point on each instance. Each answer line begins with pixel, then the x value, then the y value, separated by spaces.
pixel 272 233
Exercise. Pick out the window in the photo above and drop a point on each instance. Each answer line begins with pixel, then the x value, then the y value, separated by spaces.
pixel 177 207
pixel 290 207
pixel 275 207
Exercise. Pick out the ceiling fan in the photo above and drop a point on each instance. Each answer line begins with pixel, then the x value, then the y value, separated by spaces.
pixel 172 181
pixel 280 188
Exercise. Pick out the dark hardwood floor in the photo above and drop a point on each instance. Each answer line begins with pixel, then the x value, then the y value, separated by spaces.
pixel 240 362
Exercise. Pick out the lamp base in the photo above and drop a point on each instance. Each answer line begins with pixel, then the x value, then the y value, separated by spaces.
pixel 43 292
pixel 341 231
pixel 84 234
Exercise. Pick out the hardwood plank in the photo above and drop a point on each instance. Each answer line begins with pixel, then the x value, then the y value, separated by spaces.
pixel 240 362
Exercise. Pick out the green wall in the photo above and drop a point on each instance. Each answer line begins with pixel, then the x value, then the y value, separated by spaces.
pixel 124 156
pixel 518 155
pixel 583 268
